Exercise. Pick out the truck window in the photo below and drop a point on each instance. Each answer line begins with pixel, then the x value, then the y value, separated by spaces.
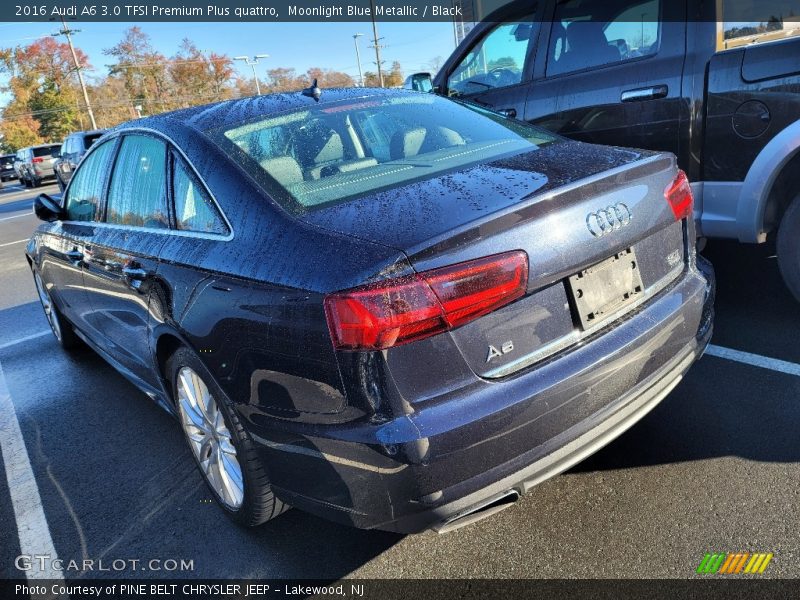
pixel 599 33
pixel 496 61
pixel 739 28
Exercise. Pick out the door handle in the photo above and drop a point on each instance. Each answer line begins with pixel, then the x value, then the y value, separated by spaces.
pixel 135 272
pixel 509 113
pixel 642 94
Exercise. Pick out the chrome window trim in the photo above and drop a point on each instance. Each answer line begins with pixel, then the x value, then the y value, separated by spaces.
pixel 178 232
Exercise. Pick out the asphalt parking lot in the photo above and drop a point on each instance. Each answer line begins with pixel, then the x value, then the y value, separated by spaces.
pixel 715 467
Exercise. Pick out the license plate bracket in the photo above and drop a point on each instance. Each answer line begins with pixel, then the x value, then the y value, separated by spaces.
pixel 604 289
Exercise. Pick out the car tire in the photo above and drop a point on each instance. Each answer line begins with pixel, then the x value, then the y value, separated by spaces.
pixel 25 182
pixel 35 182
pixel 61 328
pixel 257 503
pixel 788 246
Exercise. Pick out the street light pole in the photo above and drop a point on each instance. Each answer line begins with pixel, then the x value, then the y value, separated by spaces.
pixel 67 32
pixel 253 62
pixel 358 58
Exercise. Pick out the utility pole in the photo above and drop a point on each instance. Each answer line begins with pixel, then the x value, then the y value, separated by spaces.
pixel 68 33
pixel 253 62
pixel 358 58
pixel 376 42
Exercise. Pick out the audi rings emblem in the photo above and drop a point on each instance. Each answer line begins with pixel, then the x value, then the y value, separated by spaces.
pixel 606 220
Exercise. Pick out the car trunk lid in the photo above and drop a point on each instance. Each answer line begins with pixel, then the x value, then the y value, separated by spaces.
pixel 600 237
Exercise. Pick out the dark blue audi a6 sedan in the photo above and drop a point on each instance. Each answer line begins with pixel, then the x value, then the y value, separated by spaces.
pixel 387 308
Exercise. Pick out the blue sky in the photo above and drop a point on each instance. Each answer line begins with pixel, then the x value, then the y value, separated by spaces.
pixel 297 45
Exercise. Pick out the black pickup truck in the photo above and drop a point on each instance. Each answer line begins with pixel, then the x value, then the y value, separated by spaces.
pixel 663 75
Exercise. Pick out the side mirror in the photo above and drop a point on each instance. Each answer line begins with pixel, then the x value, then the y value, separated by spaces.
pixel 47 209
pixel 419 82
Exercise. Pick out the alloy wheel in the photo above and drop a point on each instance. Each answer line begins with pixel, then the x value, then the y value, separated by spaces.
pixel 210 438
pixel 47 305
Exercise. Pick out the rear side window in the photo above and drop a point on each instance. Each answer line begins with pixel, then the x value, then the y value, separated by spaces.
pixel 44 151
pixel 194 210
pixel 86 188
pixel 597 33
pixel 88 140
pixel 748 23
pixel 137 195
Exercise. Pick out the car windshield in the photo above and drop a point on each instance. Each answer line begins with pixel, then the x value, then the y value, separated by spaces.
pixel 6 161
pixel 336 151
pixel 45 150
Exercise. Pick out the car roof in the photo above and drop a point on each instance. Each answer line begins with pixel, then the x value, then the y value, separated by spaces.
pixel 235 112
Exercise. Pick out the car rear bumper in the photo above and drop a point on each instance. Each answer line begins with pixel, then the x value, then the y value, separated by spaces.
pixel 436 468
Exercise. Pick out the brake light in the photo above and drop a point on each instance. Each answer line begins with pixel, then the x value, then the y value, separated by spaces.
pixel 389 313
pixel 679 196
pixel 38 159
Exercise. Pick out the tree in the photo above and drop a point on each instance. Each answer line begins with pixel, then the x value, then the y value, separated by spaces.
pixel 328 78
pixel 221 72
pixel 435 64
pixel 142 69
pixel 44 98
pixel 282 79
pixel 18 132
pixel 395 76
pixel 506 62
pixel 371 79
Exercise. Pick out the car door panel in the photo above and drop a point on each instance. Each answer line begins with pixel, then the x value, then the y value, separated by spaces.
pixel 635 101
pixel 62 261
pixel 122 260
pixel 118 271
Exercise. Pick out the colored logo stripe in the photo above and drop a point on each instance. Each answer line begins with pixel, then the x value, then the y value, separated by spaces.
pixel 734 563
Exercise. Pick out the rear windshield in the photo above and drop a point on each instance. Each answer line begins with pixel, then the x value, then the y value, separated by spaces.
pixel 336 151
pixel 88 140
pixel 5 161
pixel 45 150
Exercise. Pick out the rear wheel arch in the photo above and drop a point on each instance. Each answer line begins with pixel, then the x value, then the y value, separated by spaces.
pixel 167 343
pixel 760 201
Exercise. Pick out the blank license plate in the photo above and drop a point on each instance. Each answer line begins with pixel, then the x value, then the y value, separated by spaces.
pixel 606 288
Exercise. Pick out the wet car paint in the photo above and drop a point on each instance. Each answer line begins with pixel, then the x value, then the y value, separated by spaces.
pixel 340 432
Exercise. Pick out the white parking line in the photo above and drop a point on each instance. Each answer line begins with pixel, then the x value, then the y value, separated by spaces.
pixel 12 243
pixel 755 360
pixel 32 528
pixel 16 216
pixel 22 340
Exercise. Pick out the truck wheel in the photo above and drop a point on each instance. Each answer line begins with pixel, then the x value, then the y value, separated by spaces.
pixel 789 248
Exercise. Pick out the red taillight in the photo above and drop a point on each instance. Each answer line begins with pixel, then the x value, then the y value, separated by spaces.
pixel 397 311
pixel 38 159
pixel 679 196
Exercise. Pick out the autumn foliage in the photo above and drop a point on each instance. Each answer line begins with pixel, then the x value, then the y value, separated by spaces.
pixel 46 102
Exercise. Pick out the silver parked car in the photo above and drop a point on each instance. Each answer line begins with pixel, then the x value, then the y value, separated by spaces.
pixel 36 164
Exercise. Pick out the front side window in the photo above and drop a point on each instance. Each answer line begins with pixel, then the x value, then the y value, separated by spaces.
pixel 137 195
pixel 496 61
pixel 340 150
pixel 85 190
pixel 194 210
pixel 598 33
